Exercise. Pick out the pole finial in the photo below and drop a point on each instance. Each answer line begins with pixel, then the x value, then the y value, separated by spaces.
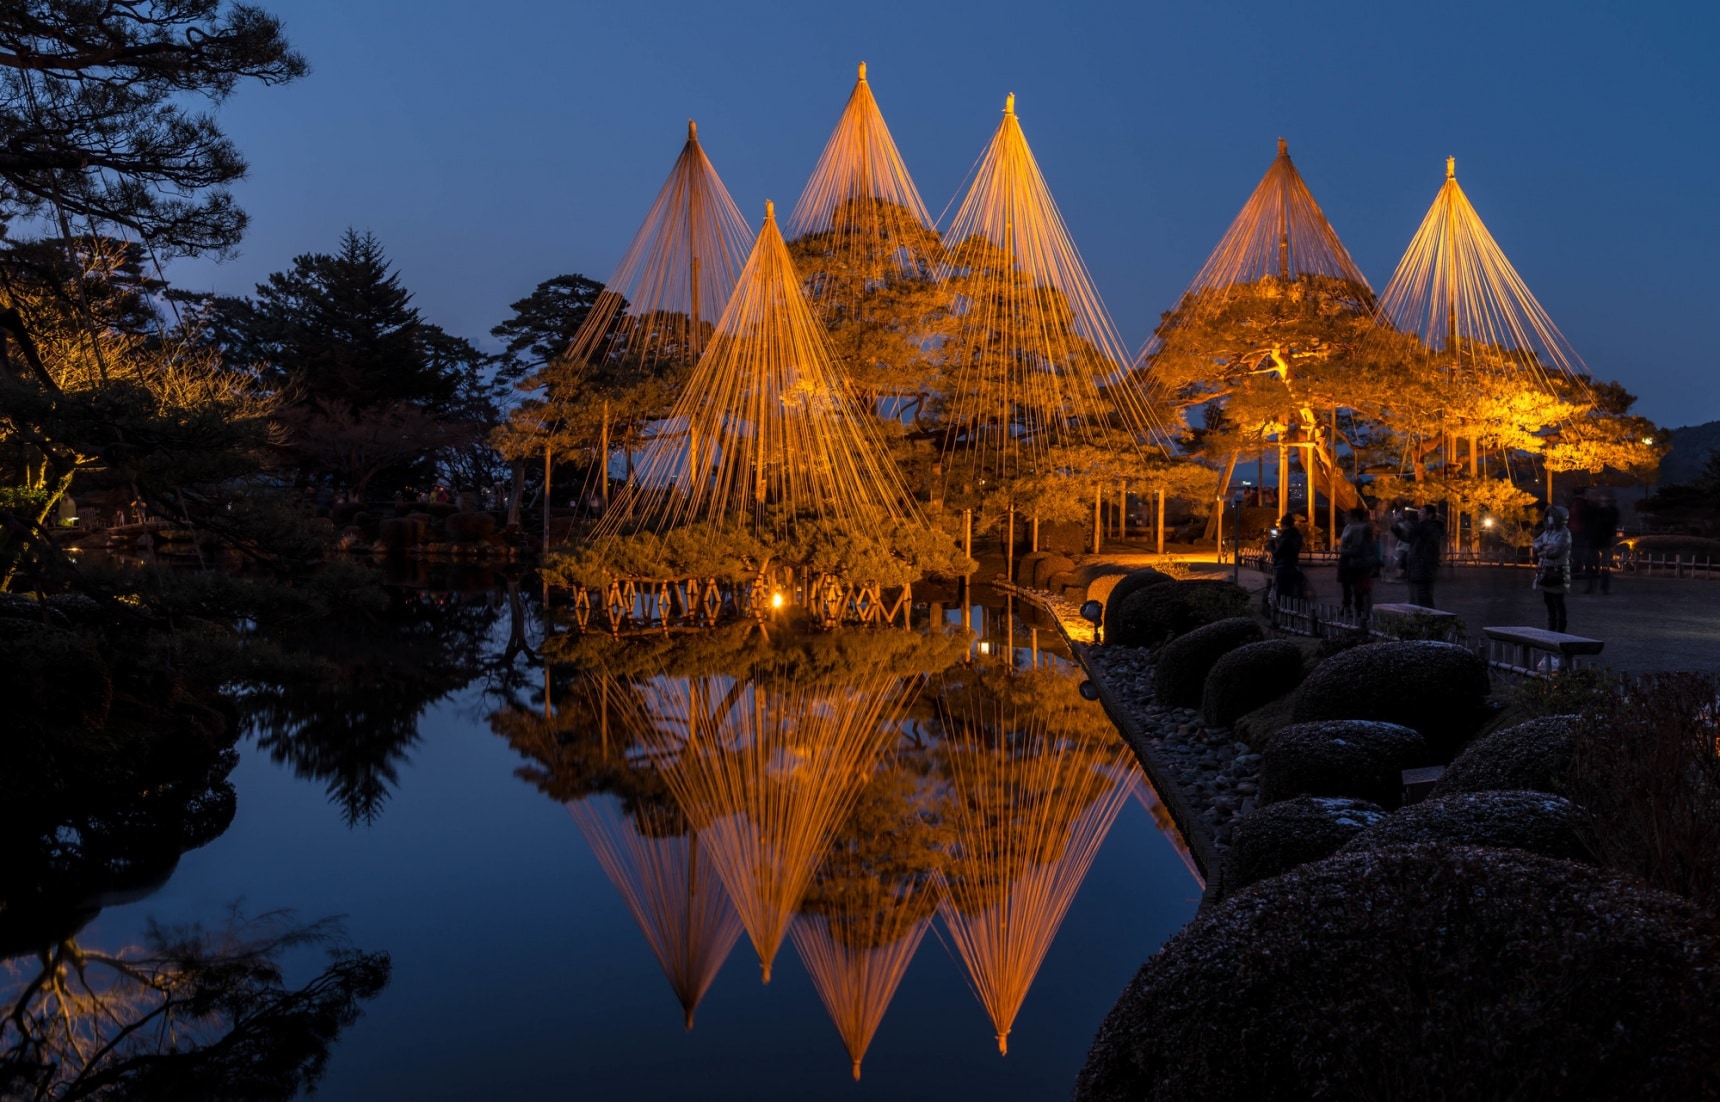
pixel 862 71
pixel 692 131
pixel 1451 168
pixel 1283 148
pixel 769 211
pixel 1009 104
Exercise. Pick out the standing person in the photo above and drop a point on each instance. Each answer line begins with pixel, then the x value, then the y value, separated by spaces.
pixel 1553 566
pixel 1356 562
pixel 1578 525
pixel 1603 534
pixel 1424 538
pixel 1287 558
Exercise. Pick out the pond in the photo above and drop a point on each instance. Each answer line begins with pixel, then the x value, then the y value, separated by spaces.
pixel 745 862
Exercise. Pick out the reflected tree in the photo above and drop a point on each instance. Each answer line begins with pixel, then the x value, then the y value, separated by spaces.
pixel 189 1014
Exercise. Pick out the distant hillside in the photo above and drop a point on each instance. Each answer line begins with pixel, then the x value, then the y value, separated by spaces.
pixel 1690 448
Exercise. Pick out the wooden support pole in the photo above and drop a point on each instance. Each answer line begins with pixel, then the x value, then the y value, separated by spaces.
pixel 603 459
pixel 1036 531
pixel 1160 526
pixel 1332 481
pixel 1308 477
pixel 1009 548
pixel 967 533
pixel 546 489
pixel 1283 506
pixel 1098 507
pixel 1123 511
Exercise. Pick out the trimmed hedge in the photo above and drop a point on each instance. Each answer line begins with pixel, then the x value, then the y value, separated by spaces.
pixel 1024 567
pixel 1532 756
pixel 1422 970
pixel 1125 587
pixel 1098 579
pixel 1164 611
pixel 1440 689
pixel 1535 821
pixel 1052 563
pixel 1274 839
pixel 1180 671
pixel 1363 759
pixel 1249 677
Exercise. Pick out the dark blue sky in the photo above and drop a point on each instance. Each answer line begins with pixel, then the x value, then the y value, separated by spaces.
pixel 491 145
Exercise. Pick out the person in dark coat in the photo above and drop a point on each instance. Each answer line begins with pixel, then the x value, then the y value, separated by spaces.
pixel 1287 558
pixel 1602 521
pixel 1425 537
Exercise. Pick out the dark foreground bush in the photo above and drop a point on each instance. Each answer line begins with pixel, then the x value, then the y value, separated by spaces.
pixel 1533 756
pixel 1427 972
pixel 1096 580
pixel 1179 674
pixel 1128 585
pixel 1249 677
pixel 469 527
pixel 1162 612
pixel 1351 757
pixel 1440 689
pixel 1276 838
pixel 51 678
pixel 1535 821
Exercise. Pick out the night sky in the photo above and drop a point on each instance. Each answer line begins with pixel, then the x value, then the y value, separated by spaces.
pixel 492 145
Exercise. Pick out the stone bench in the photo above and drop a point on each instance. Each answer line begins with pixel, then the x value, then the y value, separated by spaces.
pixel 1534 652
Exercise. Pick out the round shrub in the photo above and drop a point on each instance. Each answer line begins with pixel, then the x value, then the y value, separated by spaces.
pixel 469 527
pixel 1350 757
pixel 1162 612
pixel 1024 567
pixel 1440 689
pixel 1125 587
pixel 1097 579
pixel 1249 677
pixel 1052 563
pixel 1532 756
pixel 1065 585
pixel 1536 821
pixel 1180 671
pixel 1276 838
pixel 1512 974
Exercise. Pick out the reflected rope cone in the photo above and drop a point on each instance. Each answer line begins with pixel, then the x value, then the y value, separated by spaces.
pixel 1455 289
pixel 1029 816
pixel 858 959
pixel 766 776
pixel 671 890
pixel 1035 362
pixel 860 211
pixel 1148 798
pixel 766 429
pixel 678 271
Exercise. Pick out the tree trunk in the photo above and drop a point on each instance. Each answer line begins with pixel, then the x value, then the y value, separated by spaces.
pixel 519 489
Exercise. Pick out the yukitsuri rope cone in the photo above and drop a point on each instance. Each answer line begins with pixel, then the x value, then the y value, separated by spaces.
pixel 669 886
pixel 766 775
pixel 1280 233
pixel 1280 246
pixel 857 959
pixel 861 209
pixel 1455 289
pixel 676 274
pixel 1031 804
pixel 1034 363
pixel 772 433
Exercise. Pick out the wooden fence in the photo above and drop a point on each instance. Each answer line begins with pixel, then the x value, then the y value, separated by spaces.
pixel 635 603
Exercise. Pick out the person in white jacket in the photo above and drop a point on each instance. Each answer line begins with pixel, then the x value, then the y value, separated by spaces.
pixel 1553 565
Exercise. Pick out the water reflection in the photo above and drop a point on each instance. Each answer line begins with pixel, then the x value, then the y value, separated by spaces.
pixel 350 718
pixel 189 1013
pixel 847 788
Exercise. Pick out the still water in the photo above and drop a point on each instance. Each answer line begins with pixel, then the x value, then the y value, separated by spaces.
pixel 924 840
